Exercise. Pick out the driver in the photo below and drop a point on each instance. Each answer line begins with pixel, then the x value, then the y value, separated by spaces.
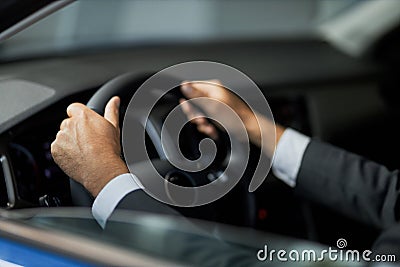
pixel 87 148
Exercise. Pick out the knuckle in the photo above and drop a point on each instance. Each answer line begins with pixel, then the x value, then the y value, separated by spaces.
pixel 64 124
pixel 58 136
pixel 83 109
pixel 54 148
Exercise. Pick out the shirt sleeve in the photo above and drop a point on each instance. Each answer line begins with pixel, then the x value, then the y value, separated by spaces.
pixel 288 156
pixel 109 197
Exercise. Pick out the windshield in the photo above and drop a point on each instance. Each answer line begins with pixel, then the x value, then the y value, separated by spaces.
pixel 104 24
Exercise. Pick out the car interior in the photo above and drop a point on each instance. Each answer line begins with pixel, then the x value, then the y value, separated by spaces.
pixel 312 84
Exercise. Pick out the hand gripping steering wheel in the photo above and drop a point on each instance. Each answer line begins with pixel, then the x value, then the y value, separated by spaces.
pixel 236 207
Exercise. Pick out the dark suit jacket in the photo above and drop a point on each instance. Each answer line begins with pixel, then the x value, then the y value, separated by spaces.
pixel 356 187
pixel 350 184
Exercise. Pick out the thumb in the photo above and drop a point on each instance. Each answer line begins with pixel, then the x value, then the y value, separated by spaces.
pixel 111 112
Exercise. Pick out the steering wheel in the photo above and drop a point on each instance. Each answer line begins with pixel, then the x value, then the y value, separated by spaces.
pixel 238 205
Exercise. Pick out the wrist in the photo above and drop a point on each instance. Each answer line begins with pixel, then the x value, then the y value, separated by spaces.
pixel 252 124
pixel 262 130
pixel 279 132
pixel 104 175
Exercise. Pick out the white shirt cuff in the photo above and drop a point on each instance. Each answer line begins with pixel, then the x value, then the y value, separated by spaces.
pixel 109 197
pixel 288 156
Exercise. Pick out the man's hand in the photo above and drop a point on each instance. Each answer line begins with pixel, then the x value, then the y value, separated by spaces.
pixel 87 147
pixel 215 90
pixel 257 126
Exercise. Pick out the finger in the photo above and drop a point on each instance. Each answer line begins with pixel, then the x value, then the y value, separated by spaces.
pixel 64 124
pixel 59 135
pixel 193 114
pixel 187 108
pixel 209 130
pixel 197 118
pixel 53 148
pixel 200 88
pixel 76 109
pixel 58 145
pixel 111 112
pixel 195 89
pixel 55 144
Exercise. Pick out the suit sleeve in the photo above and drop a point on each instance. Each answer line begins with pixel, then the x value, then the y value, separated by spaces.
pixel 139 201
pixel 350 184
